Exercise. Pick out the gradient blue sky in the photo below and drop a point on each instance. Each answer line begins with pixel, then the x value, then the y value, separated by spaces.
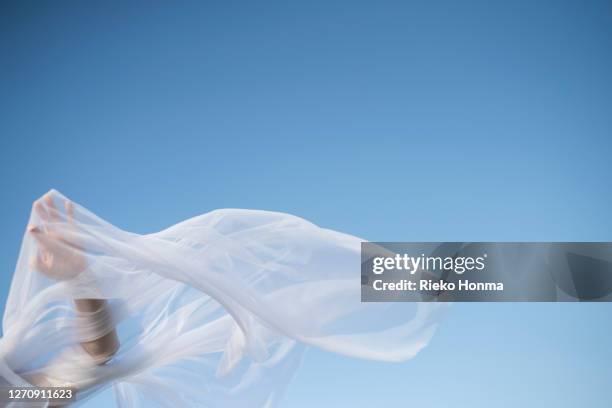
pixel 410 121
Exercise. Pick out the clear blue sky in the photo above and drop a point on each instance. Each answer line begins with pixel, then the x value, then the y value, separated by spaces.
pixel 410 121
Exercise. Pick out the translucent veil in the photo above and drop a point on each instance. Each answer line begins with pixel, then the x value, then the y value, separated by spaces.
pixel 215 311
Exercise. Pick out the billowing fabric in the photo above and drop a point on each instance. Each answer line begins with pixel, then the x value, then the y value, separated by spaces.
pixel 215 311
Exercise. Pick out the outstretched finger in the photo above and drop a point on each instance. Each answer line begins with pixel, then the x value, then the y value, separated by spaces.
pixel 54 214
pixel 41 210
pixel 69 206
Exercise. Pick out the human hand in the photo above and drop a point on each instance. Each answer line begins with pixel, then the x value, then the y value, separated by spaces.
pixel 59 254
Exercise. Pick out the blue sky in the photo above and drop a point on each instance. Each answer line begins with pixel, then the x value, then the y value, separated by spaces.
pixel 409 121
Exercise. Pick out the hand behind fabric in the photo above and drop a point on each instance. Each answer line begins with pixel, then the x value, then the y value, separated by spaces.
pixel 216 288
pixel 59 256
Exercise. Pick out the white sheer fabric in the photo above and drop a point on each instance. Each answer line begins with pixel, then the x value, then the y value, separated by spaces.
pixel 215 311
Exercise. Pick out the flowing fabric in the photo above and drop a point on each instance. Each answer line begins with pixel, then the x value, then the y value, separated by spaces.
pixel 215 311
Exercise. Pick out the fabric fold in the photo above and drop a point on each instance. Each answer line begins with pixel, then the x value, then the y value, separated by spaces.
pixel 214 311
